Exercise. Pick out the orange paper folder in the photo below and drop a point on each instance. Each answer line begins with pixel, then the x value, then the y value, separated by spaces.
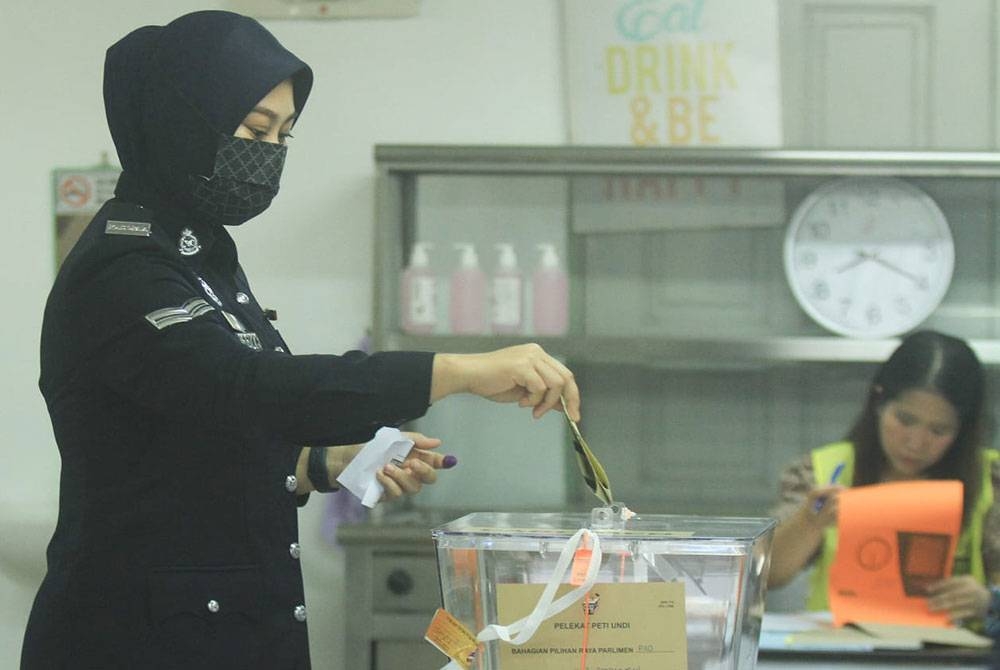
pixel 894 540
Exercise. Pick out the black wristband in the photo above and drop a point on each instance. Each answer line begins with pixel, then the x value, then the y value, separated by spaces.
pixel 316 469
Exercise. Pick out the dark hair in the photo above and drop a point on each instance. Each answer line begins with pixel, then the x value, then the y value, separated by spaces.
pixel 933 361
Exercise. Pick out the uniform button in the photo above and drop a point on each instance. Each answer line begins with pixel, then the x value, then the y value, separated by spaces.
pixel 242 298
pixel 290 483
pixel 295 550
pixel 299 613
pixel 282 349
pixel 213 606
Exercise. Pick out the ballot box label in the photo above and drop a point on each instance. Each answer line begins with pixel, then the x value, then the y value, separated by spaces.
pixel 616 626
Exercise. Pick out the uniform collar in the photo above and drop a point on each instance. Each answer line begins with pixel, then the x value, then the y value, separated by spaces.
pixel 198 244
pixel 208 245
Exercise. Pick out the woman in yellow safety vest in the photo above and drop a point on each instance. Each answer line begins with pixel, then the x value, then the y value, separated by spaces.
pixel 925 417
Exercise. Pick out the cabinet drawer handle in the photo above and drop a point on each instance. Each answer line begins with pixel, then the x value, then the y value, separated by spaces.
pixel 399 582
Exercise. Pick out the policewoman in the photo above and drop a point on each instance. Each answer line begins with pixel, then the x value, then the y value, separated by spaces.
pixel 183 421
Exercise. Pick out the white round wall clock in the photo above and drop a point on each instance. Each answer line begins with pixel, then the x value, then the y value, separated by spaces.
pixel 869 257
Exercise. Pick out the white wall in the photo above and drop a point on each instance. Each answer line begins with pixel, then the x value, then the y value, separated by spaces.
pixel 461 72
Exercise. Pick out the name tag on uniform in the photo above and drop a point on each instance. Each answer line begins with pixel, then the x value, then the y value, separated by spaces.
pixel 251 340
pixel 135 228
pixel 245 336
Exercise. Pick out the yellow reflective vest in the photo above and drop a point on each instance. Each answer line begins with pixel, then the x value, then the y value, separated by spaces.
pixel 968 554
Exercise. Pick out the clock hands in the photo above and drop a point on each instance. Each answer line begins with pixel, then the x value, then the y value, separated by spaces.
pixel 861 256
pixel 919 281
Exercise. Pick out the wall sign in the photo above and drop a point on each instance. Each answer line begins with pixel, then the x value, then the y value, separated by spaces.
pixel 82 191
pixel 673 72
pixel 625 203
pixel 77 194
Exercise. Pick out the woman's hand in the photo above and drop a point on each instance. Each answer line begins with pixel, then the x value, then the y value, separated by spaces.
pixel 800 536
pixel 962 597
pixel 419 468
pixel 524 374
pixel 821 505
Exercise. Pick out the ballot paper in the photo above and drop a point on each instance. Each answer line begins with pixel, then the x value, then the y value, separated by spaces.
pixel 388 445
pixel 885 561
pixel 590 468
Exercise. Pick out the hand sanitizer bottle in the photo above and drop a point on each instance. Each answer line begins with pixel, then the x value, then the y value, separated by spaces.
pixel 418 293
pixel 467 309
pixel 550 294
pixel 507 313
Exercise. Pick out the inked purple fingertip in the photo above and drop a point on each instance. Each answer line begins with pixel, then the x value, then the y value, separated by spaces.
pixel 449 461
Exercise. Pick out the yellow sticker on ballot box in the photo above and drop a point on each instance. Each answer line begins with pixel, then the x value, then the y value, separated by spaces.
pixel 452 638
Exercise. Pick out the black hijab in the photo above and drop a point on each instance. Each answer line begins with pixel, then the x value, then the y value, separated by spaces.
pixel 169 91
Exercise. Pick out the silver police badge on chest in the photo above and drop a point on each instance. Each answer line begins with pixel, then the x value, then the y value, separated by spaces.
pixel 188 244
pixel 209 292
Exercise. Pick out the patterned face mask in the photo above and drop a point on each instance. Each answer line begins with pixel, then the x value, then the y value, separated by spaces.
pixel 243 182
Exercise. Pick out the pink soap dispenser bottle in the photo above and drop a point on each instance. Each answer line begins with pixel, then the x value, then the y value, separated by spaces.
pixel 467 308
pixel 550 294
pixel 418 293
pixel 507 305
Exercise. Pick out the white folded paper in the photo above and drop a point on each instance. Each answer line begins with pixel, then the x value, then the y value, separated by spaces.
pixel 359 476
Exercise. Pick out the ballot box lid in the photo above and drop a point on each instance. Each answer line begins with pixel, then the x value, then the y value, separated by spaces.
pixel 555 525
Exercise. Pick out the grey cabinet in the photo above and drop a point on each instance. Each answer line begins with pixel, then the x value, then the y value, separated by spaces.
pixel 391 594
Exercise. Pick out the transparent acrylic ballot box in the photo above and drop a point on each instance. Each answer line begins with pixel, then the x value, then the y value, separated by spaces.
pixel 671 592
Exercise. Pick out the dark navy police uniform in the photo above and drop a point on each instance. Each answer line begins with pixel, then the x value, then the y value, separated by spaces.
pixel 178 410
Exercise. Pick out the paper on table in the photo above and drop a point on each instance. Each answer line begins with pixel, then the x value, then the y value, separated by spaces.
pixel 957 637
pixel 777 628
pixel 359 475
pixel 886 559
pixel 848 638
pixel 814 631
pixel 795 622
